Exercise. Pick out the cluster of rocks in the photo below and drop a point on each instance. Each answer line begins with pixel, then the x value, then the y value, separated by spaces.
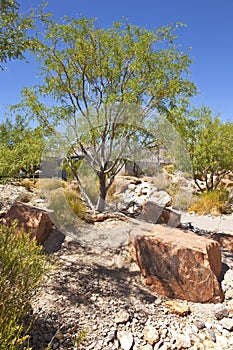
pixel 134 192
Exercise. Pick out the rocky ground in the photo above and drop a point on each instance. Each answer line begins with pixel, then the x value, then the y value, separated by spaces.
pixel 94 298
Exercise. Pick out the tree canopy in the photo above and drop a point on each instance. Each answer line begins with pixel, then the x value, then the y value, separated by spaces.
pixel 14 38
pixel 87 69
pixel 21 147
pixel 18 30
pixel 210 144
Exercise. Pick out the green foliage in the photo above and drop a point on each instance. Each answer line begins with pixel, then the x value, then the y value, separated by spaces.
pixel 170 169
pixel 213 202
pixel 22 266
pixel 210 145
pixel 14 38
pixel 79 338
pixel 20 147
pixel 17 30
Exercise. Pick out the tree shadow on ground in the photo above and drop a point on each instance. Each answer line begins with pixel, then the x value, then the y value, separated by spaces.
pixel 84 286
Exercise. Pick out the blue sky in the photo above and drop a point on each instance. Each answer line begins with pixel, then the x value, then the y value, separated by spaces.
pixel 209 33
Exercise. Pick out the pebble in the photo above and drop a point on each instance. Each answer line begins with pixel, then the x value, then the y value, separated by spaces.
pixel 220 311
pixel 126 339
pixel 227 323
pixel 150 334
pixel 211 334
pixel 200 324
pixel 122 317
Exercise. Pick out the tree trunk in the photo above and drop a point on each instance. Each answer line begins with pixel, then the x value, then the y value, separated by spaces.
pixel 103 192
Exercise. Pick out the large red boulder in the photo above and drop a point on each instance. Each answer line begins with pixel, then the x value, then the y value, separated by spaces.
pixel 33 220
pixel 178 264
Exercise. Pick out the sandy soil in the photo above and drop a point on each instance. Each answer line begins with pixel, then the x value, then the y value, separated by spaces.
pixel 220 223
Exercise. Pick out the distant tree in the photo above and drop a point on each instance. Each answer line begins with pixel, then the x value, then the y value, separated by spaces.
pixel 20 148
pixel 93 74
pixel 210 145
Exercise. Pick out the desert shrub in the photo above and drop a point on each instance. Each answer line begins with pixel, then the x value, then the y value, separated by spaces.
pixel 214 202
pixel 22 266
pixel 170 168
pixel 50 184
pixel 28 184
pixel 66 206
pixel 182 200
pixel 173 189
pixel 24 197
pixel 45 186
pixel 75 202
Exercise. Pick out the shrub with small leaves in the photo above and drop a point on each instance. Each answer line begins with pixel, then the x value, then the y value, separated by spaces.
pixel 22 267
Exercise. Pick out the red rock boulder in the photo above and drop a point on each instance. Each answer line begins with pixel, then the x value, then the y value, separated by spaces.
pixel 178 264
pixel 31 219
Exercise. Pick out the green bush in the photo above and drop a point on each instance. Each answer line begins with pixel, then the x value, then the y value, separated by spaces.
pixel 22 266
pixel 213 202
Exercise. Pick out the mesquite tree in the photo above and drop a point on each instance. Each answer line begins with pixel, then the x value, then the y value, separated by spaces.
pixel 93 74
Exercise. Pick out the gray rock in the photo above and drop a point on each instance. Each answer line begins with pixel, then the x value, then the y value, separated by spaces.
pixel 220 311
pixel 111 336
pixel 199 323
pixel 211 334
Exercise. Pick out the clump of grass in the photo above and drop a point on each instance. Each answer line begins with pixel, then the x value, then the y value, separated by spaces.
pixel 22 267
pixel 24 197
pixel 182 200
pixel 79 338
pixel 111 194
pixel 75 202
pixel 213 202
pixel 50 184
pixel 66 206
pixel 28 184
pixel 160 181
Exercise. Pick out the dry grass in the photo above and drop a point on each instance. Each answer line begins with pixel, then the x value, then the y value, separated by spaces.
pixel 214 202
